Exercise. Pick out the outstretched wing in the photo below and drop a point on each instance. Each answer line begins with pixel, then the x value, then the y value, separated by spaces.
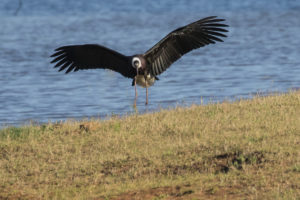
pixel 91 56
pixel 182 40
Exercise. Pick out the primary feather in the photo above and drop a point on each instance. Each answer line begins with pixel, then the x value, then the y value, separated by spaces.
pixel 183 40
pixel 91 56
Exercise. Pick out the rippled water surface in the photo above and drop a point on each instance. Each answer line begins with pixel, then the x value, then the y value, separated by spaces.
pixel 261 54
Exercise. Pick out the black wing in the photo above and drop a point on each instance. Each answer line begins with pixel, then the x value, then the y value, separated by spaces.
pixel 91 56
pixel 182 40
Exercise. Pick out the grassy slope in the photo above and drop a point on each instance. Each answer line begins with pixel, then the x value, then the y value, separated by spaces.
pixel 249 149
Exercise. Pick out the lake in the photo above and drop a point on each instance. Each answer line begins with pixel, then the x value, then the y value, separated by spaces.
pixel 260 55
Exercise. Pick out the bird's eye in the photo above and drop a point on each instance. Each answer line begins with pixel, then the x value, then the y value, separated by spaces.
pixel 136 63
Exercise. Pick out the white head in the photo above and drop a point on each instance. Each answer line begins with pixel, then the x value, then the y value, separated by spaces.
pixel 136 63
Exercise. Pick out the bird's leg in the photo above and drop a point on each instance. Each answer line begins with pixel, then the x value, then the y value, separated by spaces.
pixel 135 91
pixel 146 90
pixel 137 73
pixel 146 96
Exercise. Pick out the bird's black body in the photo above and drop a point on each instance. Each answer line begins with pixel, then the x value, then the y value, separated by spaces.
pixel 142 68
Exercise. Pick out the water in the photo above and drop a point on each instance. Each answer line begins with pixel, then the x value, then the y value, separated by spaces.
pixel 260 55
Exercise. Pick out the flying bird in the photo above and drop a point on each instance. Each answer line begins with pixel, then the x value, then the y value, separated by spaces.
pixel 143 69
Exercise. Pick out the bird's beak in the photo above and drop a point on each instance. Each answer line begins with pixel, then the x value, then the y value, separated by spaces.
pixel 137 71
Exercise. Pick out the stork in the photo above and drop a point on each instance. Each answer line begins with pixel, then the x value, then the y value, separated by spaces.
pixel 144 68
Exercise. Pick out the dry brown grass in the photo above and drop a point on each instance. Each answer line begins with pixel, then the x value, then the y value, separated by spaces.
pixel 249 149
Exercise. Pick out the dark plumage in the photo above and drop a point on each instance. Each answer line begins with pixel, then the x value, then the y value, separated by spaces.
pixel 142 68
